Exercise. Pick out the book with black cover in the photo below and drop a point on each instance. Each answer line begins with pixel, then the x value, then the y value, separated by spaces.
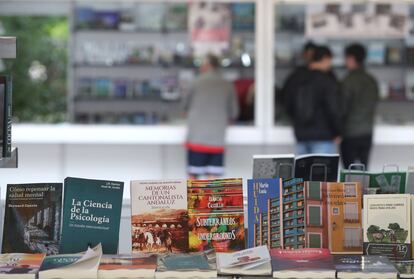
pixel 317 167
pixel 5 115
pixel 32 218
pixel 302 263
pixel 370 267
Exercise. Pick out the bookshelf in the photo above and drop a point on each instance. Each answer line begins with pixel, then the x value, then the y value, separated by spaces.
pixel 132 68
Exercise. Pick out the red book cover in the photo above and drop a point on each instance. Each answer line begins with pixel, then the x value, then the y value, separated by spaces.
pixel 307 259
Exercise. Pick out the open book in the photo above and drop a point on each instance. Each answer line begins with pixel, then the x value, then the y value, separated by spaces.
pixel 84 265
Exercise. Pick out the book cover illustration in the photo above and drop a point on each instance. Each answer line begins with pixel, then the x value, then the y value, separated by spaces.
pixel 32 219
pixel 185 261
pixel 387 226
pixel 263 211
pixel 159 216
pixel 364 264
pixel 132 262
pixel 20 264
pixel 243 16
pixel 91 215
pixel 273 166
pixel 302 259
pixel 405 268
pixel 245 259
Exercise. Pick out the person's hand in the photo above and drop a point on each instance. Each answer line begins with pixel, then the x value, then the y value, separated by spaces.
pixel 338 140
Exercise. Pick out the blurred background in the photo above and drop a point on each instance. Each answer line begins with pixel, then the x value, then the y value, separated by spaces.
pixel 98 84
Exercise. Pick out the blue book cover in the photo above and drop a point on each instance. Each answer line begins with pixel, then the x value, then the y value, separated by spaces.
pixel 91 215
pixel 263 198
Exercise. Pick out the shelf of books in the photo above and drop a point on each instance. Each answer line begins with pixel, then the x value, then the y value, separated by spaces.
pixel 289 227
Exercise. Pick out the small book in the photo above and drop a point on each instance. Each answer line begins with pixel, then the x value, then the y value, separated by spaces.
pixel 302 263
pixel 127 266
pixel 317 167
pixel 32 219
pixel 273 166
pixel 369 267
pixel 20 266
pixel 405 268
pixel 252 262
pixel 91 215
pixel 5 115
pixel 192 265
pixel 68 266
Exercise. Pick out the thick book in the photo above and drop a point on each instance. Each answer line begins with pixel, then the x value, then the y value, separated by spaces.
pixel 91 215
pixel 192 265
pixel 250 262
pixel 405 268
pixel 159 216
pixel 32 219
pixel 20 266
pixel 127 266
pixel 302 263
pixel 219 223
pixel 273 166
pixel 387 225
pixel 317 167
pixel 369 267
pixel 68 266
pixel 263 204
pixel 5 115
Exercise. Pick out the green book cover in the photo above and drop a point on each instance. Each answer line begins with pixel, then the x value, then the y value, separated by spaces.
pixel 91 215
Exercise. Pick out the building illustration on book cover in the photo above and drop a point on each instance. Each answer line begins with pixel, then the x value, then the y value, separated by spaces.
pixel 387 225
pixel 308 215
pixel 159 216
pixel 32 218
pixel 216 216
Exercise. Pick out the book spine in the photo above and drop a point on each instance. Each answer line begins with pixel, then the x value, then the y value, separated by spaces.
pixel 7 118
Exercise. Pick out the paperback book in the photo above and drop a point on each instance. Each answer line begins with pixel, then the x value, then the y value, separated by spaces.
pixel 405 268
pixel 91 215
pixel 369 267
pixel 127 266
pixel 273 166
pixel 219 223
pixel 32 218
pixel 250 262
pixel 64 266
pixel 20 266
pixel 159 216
pixel 387 226
pixel 263 204
pixel 302 263
pixel 192 265
pixel 5 115
pixel 317 167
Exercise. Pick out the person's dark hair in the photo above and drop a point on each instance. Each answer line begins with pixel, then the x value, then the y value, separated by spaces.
pixel 213 61
pixel 309 46
pixel 321 52
pixel 357 51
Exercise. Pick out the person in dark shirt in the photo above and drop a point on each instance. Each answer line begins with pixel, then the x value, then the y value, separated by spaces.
pixel 360 92
pixel 313 103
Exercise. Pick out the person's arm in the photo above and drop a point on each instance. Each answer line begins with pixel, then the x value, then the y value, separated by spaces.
pixel 347 93
pixel 188 98
pixel 333 108
pixel 233 107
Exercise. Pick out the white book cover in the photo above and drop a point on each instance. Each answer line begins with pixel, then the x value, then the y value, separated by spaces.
pixel 159 216
pixel 387 225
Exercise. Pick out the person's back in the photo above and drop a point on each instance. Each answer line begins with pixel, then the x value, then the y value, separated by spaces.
pixel 213 105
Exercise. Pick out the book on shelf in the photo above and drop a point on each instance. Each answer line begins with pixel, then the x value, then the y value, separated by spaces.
pixel 389 182
pixel 68 266
pixel 127 266
pixel 376 53
pixel 263 212
pixel 20 266
pixel 405 268
pixel 191 265
pixel 317 167
pixel 159 216
pixel 5 115
pixel 302 263
pixel 91 215
pixel 243 16
pixel 387 225
pixel 273 166
pixel 32 218
pixel 369 267
pixel 250 262
pixel 216 215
